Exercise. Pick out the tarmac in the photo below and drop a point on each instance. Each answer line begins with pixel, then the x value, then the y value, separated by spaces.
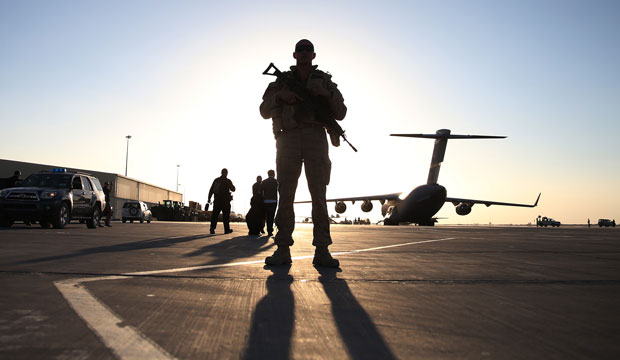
pixel 170 290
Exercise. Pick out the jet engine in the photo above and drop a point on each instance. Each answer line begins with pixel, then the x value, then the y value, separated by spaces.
pixel 341 207
pixel 463 209
pixel 367 206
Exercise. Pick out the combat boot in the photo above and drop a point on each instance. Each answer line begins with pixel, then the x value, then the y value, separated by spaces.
pixel 282 256
pixel 322 257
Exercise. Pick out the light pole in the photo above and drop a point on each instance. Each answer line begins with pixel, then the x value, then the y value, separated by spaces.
pixel 178 166
pixel 127 156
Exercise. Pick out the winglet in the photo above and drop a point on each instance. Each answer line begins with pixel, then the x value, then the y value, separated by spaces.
pixel 538 198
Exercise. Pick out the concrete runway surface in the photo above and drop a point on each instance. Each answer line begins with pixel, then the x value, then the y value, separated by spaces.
pixel 171 290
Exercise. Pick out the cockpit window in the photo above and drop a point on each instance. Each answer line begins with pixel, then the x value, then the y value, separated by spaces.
pixel 60 181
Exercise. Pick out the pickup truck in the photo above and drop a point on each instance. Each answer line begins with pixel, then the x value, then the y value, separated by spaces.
pixel 547 221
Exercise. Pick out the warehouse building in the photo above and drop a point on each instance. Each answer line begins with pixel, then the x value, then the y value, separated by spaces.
pixel 123 188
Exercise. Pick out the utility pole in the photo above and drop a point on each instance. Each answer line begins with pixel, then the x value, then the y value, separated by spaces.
pixel 127 156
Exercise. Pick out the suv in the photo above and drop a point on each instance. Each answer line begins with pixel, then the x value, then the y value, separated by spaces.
pixel 55 198
pixel 136 210
pixel 606 223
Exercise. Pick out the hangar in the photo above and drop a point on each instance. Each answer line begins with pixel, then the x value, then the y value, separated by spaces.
pixel 123 188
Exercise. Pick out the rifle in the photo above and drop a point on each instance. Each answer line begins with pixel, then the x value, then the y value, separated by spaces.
pixel 321 107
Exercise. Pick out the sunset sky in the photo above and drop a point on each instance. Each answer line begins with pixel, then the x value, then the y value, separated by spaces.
pixel 184 79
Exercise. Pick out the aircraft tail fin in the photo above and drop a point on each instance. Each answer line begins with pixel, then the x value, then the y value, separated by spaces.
pixel 441 141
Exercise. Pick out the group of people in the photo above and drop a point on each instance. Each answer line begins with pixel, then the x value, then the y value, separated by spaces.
pixel 301 140
pixel 263 203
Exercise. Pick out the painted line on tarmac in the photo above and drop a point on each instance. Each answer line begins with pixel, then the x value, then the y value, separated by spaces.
pixel 127 342
pixel 203 267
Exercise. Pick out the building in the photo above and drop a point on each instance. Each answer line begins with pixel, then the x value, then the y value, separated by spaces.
pixel 123 188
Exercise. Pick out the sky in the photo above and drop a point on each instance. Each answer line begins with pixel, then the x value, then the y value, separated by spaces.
pixel 184 79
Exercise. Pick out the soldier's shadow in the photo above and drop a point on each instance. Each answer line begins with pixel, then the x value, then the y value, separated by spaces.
pixel 234 248
pixel 272 325
pixel 359 333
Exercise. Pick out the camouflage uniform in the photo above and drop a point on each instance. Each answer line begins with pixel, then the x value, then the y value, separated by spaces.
pixel 300 138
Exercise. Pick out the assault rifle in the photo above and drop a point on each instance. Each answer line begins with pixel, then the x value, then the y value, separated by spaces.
pixel 321 106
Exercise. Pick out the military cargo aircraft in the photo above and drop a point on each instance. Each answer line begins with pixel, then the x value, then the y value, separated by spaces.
pixel 424 201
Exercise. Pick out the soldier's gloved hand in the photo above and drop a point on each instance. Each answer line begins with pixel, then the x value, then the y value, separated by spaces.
pixel 289 97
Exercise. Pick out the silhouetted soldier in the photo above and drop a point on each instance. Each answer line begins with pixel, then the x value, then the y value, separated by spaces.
pixel 256 186
pixel 255 218
pixel 107 211
pixel 257 200
pixel 269 190
pixel 14 180
pixel 301 139
pixel 221 188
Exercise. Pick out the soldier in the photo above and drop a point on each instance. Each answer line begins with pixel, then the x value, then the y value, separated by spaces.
pixel 301 139
pixel 269 191
pixel 14 180
pixel 221 188
pixel 107 211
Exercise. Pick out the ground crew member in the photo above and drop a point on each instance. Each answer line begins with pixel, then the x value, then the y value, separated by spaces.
pixel 301 138
pixel 107 211
pixel 269 191
pixel 221 188
pixel 256 222
pixel 14 180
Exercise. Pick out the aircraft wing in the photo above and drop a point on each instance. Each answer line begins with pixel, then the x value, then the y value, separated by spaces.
pixel 393 196
pixel 456 201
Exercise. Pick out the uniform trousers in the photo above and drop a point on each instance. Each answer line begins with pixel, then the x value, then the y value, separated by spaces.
pixel 307 146
pixel 224 208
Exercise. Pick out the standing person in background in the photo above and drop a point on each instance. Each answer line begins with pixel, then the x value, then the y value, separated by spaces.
pixel 107 211
pixel 221 188
pixel 269 189
pixel 14 180
pixel 257 200
pixel 255 218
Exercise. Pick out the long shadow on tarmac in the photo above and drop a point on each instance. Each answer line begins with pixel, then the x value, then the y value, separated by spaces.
pixel 273 321
pixel 136 245
pixel 234 248
pixel 361 337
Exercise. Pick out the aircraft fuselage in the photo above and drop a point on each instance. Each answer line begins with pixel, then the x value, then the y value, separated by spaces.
pixel 419 206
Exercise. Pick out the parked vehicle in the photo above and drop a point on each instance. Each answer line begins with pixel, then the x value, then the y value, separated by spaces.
pixel 53 197
pixel 606 223
pixel 546 221
pixel 136 210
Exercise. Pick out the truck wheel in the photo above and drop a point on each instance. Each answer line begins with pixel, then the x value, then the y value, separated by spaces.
pixel 141 220
pixel 124 221
pixel 61 219
pixel 95 218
